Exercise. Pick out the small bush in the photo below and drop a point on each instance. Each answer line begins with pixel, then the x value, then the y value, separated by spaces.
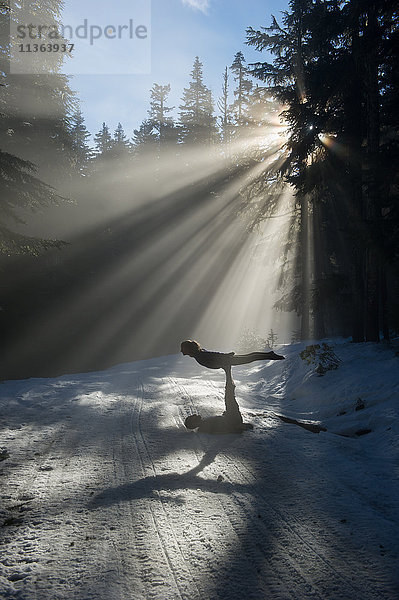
pixel 272 339
pixel 321 355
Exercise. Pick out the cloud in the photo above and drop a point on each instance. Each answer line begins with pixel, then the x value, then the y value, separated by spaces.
pixel 201 5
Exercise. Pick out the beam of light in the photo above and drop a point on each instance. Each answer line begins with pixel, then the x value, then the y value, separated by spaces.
pixel 328 140
pixel 247 289
pixel 190 261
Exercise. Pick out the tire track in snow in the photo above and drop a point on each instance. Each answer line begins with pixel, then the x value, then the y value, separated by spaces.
pixel 289 554
pixel 236 515
pixel 232 531
pixel 229 534
pixel 299 560
pixel 172 552
pixel 345 563
pixel 237 511
pixel 243 472
pixel 67 467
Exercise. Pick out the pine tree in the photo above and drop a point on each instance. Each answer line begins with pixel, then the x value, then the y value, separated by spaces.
pixel 34 145
pixel 287 79
pixel 272 339
pixel 145 149
pixel 103 142
pixel 120 143
pixel 225 110
pixel 198 124
pixel 328 72
pixel 35 109
pixel 20 190
pixel 81 150
pixel 159 114
pixel 145 139
pixel 389 168
pixel 243 88
pixel 145 134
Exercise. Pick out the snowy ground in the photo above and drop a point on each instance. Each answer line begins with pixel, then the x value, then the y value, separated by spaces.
pixel 105 495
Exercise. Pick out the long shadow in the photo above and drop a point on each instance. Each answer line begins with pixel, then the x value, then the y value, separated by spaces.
pixel 297 490
pixel 155 485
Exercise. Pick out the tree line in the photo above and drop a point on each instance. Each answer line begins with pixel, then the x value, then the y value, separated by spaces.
pixel 334 76
pixel 197 123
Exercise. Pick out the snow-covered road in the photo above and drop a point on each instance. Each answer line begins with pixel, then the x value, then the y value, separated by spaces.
pixel 105 495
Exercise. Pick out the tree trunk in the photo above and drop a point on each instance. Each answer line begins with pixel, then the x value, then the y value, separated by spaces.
pixel 319 299
pixel 372 195
pixel 384 304
pixel 355 215
pixel 372 296
pixel 305 269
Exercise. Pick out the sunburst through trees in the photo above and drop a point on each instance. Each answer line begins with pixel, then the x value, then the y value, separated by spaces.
pixel 202 225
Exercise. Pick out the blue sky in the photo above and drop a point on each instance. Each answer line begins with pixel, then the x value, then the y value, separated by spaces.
pixel 179 30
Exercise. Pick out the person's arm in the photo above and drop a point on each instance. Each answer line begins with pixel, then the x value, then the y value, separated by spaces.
pixel 232 413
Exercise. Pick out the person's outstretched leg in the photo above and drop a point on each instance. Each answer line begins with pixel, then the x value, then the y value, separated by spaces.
pixel 243 359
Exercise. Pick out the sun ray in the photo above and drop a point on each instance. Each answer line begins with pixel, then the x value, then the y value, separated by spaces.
pixel 196 255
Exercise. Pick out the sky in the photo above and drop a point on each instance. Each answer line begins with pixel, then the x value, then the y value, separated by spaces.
pixel 178 31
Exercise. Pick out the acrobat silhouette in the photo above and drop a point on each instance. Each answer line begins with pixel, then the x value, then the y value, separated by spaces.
pixel 231 420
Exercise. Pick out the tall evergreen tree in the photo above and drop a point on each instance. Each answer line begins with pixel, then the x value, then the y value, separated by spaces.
pixel 35 109
pixel 327 72
pixel 145 134
pixel 287 75
pixel 159 114
pixel 82 152
pixel 389 166
pixel 35 144
pixel 120 145
pixel 225 110
pixel 197 121
pixel 103 142
pixel 242 91
pixel 145 138
pixel 146 149
pixel 21 190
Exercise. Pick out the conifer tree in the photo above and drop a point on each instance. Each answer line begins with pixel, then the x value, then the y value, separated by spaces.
pixel 145 134
pixel 120 143
pixel 81 150
pixel 146 148
pixel 42 138
pixel 329 72
pixel 21 189
pixel 145 140
pixel 225 110
pixel 286 77
pixel 34 147
pixel 388 167
pixel 103 142
pixel 243 88
pixel 159 114
pixel 197 121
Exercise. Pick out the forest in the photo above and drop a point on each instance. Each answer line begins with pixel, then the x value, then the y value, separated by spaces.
pixel 112 243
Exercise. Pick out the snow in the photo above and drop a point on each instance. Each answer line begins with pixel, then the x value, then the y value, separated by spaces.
pixel 105 495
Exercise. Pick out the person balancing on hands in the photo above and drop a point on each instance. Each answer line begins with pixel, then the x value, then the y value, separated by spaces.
pixel 231 420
